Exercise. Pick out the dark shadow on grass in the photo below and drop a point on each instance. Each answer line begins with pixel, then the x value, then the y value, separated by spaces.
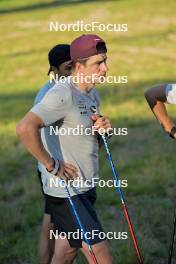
pixel 48 5
pixel 14 106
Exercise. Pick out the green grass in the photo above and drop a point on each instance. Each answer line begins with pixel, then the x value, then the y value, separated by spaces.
pixel 146 53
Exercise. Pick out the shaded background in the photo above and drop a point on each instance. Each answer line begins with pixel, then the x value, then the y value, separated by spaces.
pixel 146 157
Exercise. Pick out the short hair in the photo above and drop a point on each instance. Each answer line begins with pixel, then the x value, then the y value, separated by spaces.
pixel 81 61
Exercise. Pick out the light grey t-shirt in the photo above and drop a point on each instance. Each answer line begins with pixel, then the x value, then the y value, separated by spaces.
pixel 66 107
pixel 171 93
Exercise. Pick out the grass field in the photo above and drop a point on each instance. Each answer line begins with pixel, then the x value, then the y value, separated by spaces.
pixel 146 157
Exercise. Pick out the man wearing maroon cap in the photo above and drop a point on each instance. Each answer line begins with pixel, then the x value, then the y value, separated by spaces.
pixel 68 105
pixel 86 46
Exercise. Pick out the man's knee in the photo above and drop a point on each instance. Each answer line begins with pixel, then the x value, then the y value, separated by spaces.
pixel 101 251
pixel 65 257
pixel 64 251
pixel 102 248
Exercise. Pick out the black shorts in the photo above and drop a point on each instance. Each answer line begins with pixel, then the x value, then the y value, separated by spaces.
pixel 65 221
pixel 47 209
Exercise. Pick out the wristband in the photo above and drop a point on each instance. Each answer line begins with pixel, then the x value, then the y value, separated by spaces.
pixel 172 133
pixel 56 167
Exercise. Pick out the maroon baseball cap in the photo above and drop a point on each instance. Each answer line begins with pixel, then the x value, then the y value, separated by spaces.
pixel 86 46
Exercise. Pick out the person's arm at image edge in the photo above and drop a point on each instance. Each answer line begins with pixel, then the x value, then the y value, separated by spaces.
pixel 156 98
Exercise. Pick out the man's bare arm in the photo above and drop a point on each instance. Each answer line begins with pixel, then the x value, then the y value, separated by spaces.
pixel 29 132
pixel 156 98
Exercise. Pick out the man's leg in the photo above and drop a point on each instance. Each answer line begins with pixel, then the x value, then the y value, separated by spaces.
pixel 101 251
pixel 63 253
pixel 46 245
pixel 91 223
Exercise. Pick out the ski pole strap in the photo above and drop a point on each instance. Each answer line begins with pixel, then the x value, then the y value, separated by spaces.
pixel 172 133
